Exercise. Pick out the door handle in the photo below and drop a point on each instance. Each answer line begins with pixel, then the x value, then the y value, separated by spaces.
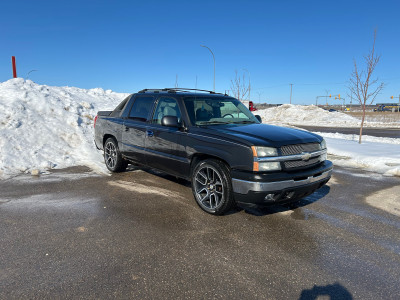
pixel 149 133
pixel 126 128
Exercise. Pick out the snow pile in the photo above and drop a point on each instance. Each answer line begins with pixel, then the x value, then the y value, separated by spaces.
pixel 381 155
pixel 43 127
pixel 354 137
pixel 306 115
pixel 312 115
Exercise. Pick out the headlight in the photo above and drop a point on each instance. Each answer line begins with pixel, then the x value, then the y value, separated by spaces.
pixel 264 151
pixel 269 166
pixel 323 144
pixel 262 166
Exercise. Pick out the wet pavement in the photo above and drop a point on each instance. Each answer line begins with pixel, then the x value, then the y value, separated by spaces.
pixel 140 235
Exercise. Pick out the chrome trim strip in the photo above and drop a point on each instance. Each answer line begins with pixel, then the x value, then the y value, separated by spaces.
pixel 290 157
pixel 244 186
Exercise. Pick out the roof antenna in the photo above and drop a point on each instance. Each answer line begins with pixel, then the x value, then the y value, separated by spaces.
pixel 176 81
pixel 196 84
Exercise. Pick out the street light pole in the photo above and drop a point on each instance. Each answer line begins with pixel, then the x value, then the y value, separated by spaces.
pixel 27 75
pixel 214 62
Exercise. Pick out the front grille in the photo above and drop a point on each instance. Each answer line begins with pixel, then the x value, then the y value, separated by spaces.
pixel 300 163
pixel 300 148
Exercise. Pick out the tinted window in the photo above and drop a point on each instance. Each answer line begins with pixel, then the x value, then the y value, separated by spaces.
pixel 117 111
pixel 203 111
pixel 166 107
pixel 141 108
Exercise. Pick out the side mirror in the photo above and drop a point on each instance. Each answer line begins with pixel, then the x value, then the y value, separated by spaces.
pixel 170 121
pixel 258 118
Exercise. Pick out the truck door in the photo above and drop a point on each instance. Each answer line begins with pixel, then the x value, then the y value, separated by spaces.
pixel 164 145
pixel 134 129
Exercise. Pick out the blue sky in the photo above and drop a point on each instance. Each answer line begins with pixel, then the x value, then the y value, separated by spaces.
pixel 130 45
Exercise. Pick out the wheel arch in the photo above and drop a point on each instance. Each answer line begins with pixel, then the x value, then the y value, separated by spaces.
pixel 196 158
pixel 106 137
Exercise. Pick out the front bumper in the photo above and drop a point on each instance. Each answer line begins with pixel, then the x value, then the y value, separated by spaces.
pixel 286 187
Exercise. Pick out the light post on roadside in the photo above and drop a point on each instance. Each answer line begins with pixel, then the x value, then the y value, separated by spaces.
pixel 27 75
pixel 316 99
pixel 214 63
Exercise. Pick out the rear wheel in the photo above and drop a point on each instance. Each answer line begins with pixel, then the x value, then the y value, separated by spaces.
pixel 212 187
pixel 112 156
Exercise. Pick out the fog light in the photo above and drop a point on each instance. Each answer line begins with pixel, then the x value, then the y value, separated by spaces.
pixel 270 197
pixel 289 195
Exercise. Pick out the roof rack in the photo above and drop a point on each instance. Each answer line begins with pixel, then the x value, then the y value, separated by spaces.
pixel 174 90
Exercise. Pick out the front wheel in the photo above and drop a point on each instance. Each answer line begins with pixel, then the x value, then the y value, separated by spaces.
pixel 112 156
pixel 212 187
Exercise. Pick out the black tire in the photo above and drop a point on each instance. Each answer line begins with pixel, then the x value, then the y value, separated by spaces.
pixel 112 156
pixel 212 187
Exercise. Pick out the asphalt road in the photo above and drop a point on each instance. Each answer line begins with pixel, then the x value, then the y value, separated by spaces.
pixel 140 235
pixel 379 132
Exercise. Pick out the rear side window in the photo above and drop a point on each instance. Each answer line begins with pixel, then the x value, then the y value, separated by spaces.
pixel 117 111
pixel 141 108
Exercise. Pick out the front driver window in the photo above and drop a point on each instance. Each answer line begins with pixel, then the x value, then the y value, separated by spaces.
pixel 166 107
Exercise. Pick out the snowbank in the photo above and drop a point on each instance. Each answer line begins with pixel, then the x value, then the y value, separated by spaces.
pixel 44 127
pixel 299 115
pixel 380 155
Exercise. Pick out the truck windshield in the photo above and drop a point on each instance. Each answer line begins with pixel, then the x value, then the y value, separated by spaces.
pixel 214 111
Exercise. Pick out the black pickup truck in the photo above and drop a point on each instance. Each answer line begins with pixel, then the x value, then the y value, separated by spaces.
pixel 214 141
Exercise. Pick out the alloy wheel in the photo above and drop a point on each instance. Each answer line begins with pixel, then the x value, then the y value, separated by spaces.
pixel 110 155
pixel 209 188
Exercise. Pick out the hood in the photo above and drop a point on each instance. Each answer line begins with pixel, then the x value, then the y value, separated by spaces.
pixel 270 135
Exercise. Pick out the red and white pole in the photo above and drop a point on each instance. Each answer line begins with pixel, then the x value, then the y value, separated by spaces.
pixel 14 66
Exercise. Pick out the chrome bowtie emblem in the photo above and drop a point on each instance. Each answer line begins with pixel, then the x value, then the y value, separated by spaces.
pixel 306 156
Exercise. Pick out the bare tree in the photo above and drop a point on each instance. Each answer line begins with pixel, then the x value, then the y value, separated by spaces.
pixel 239 87
pixel 362 85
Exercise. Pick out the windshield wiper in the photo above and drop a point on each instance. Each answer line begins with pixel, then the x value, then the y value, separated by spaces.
pixel 212 122
pixel 244 122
